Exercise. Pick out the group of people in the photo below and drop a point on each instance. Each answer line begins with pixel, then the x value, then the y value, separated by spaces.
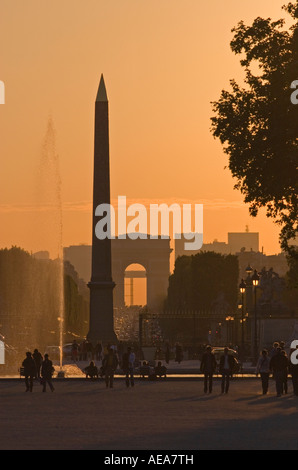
pixel 279 364
pixel 111 361
pixel 86 351
pixel 209 366
pixel 157 372
pixel 276 363
pixel 39 368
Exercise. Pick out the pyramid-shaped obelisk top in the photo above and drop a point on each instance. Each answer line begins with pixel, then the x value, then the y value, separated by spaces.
pixel 102 92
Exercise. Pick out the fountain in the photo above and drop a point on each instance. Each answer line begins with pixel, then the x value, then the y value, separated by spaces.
pixel 51 199
pixel 32 286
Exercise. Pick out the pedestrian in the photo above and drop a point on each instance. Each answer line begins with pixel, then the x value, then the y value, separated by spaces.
pixel 128 361
pixel 179 353
pixel 110 363
pixel 263 368
pixel 226 369
pixel 98 351
pixel 47 371
pixel 208 368
pixel 279 367
pixel 29 371
pixel 294 372
pixel 38 360
pixel 274 349
pixel 89 350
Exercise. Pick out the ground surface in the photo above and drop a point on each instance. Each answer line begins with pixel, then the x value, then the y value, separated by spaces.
pixel 165 415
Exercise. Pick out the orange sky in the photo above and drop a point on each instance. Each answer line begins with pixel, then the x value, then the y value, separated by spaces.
pixel 163 62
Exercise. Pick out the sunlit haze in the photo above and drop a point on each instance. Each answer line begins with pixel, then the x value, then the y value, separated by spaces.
pixel 163 63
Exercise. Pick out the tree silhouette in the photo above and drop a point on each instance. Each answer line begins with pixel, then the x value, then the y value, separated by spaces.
pixel 205 281
pixel 258 124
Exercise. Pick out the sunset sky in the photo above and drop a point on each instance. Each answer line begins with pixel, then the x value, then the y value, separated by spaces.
pixel 163 62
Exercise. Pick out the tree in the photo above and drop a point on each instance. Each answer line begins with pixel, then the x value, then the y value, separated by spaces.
pixel 258 125
pixel 206 281
pixel 292 274
pixel 30 300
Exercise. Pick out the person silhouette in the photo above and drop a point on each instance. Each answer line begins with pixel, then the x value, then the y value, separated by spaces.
pixel 110 363
pixel 47 373
pixel 208 368
pixel 29 371
pixel 128 361
pixel 226 369
pixel 91 371
pixel 38 361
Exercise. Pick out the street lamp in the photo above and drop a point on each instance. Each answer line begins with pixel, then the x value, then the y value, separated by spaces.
pixel 242 287
pixel 255 281
pixel 249 270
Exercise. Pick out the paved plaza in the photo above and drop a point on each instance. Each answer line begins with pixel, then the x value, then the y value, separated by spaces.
pixel 169 414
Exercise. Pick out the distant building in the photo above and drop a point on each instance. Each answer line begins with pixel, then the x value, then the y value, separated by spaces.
pixel 80 257
pixel 41 255
pixel 243 241
pixel 246 246
pixel 237 242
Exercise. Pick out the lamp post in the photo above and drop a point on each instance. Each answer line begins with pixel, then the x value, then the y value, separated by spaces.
pixel 249 270
pixel 242 287
pixel 255 281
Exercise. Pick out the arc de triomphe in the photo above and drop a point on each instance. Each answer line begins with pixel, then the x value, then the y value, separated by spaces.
pixel 152 254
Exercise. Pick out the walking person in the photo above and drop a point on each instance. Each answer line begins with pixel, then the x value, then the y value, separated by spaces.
pixel 273 351
pixel 279 366
pixel 294 372
pixel 263 368
pixel 179 353
pixel 47 370
pixel 89 350
pixel 29 371
pixel 38 360
pixel 128 361
pixel 208 368
pixel 110 363
pixel 226 369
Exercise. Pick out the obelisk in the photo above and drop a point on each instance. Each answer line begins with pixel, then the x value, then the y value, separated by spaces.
pixel 101 286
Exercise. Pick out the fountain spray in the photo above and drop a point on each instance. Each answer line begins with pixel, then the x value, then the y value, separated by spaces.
pixel 50 190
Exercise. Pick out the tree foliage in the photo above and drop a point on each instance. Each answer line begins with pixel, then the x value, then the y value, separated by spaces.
pixel 258 125
pixel 30 303
pixel 206 281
